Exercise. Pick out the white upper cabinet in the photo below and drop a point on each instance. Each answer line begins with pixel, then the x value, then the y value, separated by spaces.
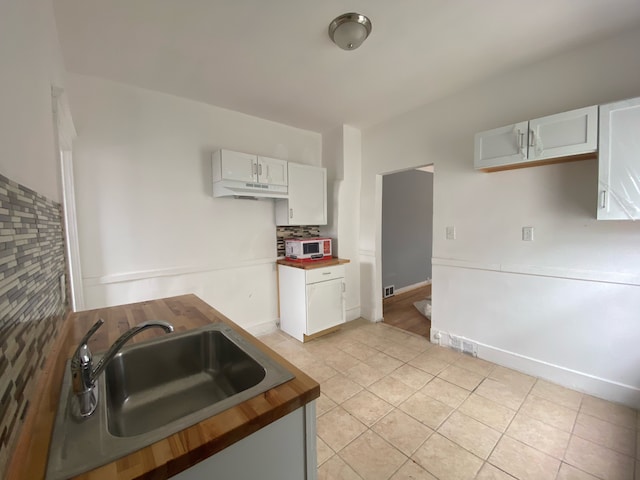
pixel 247 167
pixel 248 175
pixel 619 161
pixel 272 171
pixel 228 165
pixel 501 146
pixel 307 202
pixel 564 134
pixel 525 143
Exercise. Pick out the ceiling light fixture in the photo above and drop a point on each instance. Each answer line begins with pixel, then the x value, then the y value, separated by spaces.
pixel 349 30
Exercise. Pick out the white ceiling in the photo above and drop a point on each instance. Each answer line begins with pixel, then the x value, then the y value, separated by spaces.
pixel 273 58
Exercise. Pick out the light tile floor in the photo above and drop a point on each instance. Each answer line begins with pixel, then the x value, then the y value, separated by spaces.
pixel 394 406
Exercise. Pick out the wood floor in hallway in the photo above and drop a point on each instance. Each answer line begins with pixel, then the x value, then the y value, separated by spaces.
pixel 400 312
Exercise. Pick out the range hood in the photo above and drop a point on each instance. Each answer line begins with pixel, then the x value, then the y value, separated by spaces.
pixel 235 188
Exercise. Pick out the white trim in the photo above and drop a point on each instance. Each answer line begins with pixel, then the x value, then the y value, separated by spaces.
pixel 352 313
pixel 64 120
pixel 65 135
pixel 408 288
pixel 367 253
pixel 310 440
pixel 172 271
pixel 378 309
pixel 263 328
pixel 574 379
pixel 71 231
pixel 545 271
pixel 368 314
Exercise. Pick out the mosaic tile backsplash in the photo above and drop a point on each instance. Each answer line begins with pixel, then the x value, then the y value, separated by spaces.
pixel 32 304
pixel 305 231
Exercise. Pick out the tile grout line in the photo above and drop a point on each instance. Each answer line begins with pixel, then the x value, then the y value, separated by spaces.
pixel 503 434
pixel 379 348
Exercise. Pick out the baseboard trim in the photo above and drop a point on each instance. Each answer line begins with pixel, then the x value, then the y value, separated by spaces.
pixel 352 313
pixel 368 314
pixel 576 380
pixel 408 288
pixel 263 328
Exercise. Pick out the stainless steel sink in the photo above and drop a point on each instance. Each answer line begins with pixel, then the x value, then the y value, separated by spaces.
pixel 153 389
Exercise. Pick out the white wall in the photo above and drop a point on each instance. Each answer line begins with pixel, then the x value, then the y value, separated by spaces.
pixel 342 156
pixel 564 306
pixel 148 224
pixel 31 64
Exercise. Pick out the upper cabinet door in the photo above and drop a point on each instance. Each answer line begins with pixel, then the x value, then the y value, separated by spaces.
pixel 501 146
pixel 564 134
pixel 307 202
pixel 238 166
pixel 272 171
pixel 619 161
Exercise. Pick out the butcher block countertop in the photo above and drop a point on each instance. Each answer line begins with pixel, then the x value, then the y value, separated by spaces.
pixel 313 264
pixel 176 452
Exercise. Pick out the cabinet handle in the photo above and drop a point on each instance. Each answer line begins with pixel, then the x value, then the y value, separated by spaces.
pixel 326 273
pixel 259 169
pixel 532 138
pixel 344 287
pixel 291 213
pixel 253 169
pixel 521 142
pixel 603 199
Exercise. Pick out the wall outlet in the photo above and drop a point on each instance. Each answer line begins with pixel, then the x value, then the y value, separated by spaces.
pixel 389 291
pixel 527 234
pixel 451 233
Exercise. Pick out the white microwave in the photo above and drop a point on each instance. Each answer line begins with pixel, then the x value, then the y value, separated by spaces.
pixel 306 249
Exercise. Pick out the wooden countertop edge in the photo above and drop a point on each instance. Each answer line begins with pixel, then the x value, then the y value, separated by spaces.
pixel 46 389
pixel 313 264
pixel 175 453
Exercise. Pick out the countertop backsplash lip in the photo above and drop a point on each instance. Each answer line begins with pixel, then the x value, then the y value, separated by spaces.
pixel 32 302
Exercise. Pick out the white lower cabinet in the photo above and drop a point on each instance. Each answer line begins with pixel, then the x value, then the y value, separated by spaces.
pixel 311 300
pixel 284 449
pixel 619 161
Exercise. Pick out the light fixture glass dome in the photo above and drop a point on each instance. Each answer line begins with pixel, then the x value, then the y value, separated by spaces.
pixel 349 30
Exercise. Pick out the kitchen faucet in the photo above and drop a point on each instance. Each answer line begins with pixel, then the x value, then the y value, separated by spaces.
pixel 83 375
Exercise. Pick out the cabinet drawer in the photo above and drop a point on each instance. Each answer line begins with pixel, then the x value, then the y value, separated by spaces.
pixel 323 274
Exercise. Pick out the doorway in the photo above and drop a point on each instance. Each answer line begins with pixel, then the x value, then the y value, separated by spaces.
pixel 406 249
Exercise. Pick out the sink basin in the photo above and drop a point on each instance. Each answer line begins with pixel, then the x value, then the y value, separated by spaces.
pixel 149 386
pixel 153 389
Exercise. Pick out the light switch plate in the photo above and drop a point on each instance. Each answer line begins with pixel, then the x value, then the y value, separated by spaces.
pixel 451 233
pixel 527 234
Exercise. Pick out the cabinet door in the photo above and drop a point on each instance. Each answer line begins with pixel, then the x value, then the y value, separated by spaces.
pixel 501 146
pixel 239 166
pixel 325 305
pixel 564 134
pixel 619 161
pixel 307 204
pixel 272 171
